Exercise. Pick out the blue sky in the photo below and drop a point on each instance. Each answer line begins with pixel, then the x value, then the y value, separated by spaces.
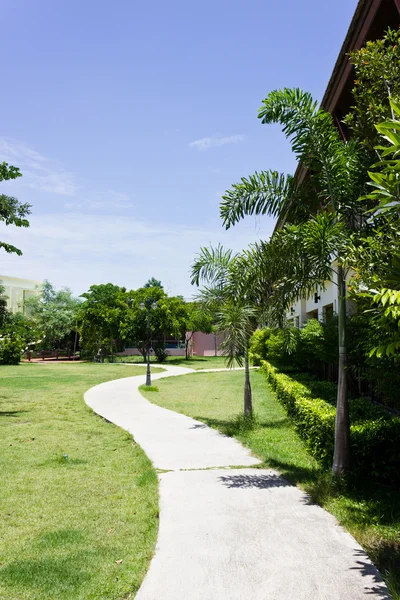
pixel 130 119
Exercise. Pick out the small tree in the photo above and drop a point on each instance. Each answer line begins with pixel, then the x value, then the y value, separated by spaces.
pixel 228 297
pixel 54 314
pixel 101 317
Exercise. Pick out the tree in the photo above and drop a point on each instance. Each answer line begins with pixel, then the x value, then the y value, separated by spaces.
pixel 167 318
pixel 12 212
pixel 54 314
pixel 377 67
pixel 153 283
pixel 224 298
pixel 196 320
pixel 101 317
pixel 333 178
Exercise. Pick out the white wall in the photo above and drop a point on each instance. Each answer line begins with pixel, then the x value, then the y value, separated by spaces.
pixel 326 299
pixel 17 290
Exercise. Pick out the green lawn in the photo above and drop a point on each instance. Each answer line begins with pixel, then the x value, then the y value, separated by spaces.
pixel 77 494
pixel 195 362
pixel 372 515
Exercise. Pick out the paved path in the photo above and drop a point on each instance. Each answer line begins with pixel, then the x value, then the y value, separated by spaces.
pixel 231 534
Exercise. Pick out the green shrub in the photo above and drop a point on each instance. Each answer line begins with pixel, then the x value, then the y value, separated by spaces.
pixel 160 352
pixel 375 434
pixel 258 347
pixel 282 345
pixel 10 350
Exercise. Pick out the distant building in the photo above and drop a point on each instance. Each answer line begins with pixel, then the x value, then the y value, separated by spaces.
pixel 18 290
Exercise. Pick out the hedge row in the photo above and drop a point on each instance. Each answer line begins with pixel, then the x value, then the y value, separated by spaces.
pixel 374 434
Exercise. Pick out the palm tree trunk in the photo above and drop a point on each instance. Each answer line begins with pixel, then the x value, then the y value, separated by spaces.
pixel 248 402
pixel 341 457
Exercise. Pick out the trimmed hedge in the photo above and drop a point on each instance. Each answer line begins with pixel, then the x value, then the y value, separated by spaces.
pixel 375 434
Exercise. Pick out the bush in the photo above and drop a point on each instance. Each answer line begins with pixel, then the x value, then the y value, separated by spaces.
pixel 160 352
pixel 375 434
pixel 258 346
pixel 10 350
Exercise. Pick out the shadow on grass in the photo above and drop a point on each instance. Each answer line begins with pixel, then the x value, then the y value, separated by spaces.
pixel 241 424
pixel 48 575
pixel 12 413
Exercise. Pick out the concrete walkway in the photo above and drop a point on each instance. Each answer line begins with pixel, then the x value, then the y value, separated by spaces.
pixel 231 534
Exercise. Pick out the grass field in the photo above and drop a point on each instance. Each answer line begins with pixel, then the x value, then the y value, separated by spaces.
pixel 195 362
pixel 371 514
pixel 78 498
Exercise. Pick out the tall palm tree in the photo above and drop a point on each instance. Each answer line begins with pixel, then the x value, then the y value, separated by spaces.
pixel 330 179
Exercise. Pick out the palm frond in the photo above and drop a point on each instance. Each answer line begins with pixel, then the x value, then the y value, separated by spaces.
pixel 267 192
pixel 211 266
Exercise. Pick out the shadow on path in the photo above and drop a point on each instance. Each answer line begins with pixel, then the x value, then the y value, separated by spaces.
pixel 266 481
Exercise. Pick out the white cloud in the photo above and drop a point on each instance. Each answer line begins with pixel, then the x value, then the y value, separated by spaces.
pixel 39 172
pixel 103 201
pixel 215 141
pixel 78 250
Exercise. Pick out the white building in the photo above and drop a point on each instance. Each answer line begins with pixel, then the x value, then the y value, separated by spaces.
pixel 321 305
pixel 18 290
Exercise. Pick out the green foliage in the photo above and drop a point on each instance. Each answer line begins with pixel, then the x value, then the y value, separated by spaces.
pixel 160 351
pixel 258 345
pixel 377 67
pixel 153 282
pixel 3 306
pixel 12 212
pixel 149 388
pixel 100 317
pixel 305 349
pixel 167 318
pixel 53 313
pixel 10 350
pixel 236 321
pixel 375 435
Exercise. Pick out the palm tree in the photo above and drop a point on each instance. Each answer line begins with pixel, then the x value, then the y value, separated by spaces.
pixel 227 295
pixel 329 182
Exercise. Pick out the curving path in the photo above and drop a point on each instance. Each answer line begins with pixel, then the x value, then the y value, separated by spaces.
pixel 226 533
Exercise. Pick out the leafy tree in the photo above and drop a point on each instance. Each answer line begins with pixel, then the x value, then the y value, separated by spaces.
pixel 53 313
pixel 12 212
pixel 101 317
pixel 196 320
pixel 334 180
pixel 153 283
pixel 167 318
pixel 377 68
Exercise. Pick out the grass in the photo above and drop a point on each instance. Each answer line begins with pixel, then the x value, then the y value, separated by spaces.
pixel 195 362
pixel 371 514
pixel 78 497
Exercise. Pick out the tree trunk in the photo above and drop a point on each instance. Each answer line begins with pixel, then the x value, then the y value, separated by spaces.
pixel 187 343
pixel 341 457
pixel 248 402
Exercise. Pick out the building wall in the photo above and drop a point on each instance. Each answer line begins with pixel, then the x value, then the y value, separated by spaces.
pixel 319 305
pixel 135 352
pixel 17 290
pixel 206 344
